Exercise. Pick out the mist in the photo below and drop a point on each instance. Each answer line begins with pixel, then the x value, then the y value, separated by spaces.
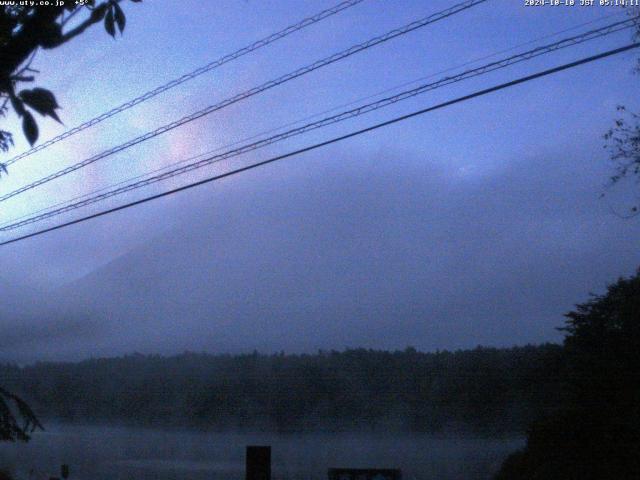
pixel 388 251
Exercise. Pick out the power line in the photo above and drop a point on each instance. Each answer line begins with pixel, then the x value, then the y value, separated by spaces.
pixel 309 117
pixel 254 91
pixel 479 93
pixel 369 107
pixel 191 75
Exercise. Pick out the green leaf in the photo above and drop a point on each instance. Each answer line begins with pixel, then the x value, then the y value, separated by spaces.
pixel 109 23
pixel 119 16
pixel 29 127
pixel 42 101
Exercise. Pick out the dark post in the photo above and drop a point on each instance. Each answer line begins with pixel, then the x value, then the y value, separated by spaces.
pixel 364 474
pixel 258 463
pixel 64 471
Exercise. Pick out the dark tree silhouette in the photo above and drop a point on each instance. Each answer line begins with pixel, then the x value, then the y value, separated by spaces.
pixel 595 433
pixel 486 391
pixel 23 30
pixel 623 143
pixel 10 428
pixel 623 139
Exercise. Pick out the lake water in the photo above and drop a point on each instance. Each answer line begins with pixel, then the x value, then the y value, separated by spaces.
pixel 100 453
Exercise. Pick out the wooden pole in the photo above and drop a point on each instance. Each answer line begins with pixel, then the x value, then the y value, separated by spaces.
pixel 258 464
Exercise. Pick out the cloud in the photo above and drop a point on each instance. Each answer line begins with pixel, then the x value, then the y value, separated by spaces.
pixel 332 250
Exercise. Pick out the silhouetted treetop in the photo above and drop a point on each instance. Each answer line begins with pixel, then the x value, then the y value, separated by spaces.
pixel 17 420
pixel 595 430
pixel 486 390
pixel 26 28
pixel 623 139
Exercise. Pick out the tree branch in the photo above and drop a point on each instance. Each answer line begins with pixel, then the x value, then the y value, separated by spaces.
pixel 97 14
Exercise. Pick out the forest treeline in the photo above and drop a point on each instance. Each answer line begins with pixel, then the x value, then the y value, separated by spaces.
pixel 484 390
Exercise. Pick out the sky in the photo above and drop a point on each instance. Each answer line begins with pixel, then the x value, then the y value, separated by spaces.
pixel 477 224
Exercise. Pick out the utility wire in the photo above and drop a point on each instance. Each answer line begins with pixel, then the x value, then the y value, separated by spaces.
pixel 254 91
pixel 369 107
pixel 309 117
pixel 464 98
pixel 191 75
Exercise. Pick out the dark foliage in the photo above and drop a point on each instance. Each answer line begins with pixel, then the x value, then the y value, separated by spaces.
pixel 623 144
pixel 10 429
pixel 596 432
pixel 26 28
pixel 485 390
pixel 623 139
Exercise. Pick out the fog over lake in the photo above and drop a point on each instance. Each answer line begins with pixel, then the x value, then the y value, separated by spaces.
pixel 101 453
pixel 363 233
